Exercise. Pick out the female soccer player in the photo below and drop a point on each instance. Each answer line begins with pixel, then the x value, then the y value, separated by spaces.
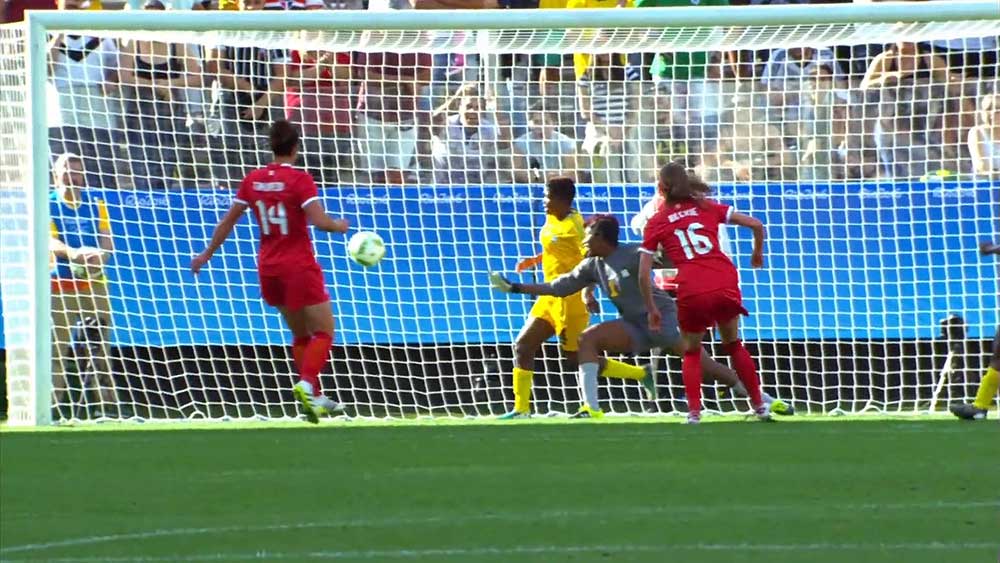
pixel 562 250
pixel 615 268
pixel 285 201
pixel 665 279
pixel 991 379
pixel 708 294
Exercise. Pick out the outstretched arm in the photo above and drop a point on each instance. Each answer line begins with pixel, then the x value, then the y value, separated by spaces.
pixel 219 235
pixel 563 286
pixel 757 259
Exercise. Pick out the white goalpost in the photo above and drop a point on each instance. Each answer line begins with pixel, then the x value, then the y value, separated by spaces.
pixel 865 136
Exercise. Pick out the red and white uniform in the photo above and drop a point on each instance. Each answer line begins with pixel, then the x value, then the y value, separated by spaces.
pixel 290 277
pixel 707 283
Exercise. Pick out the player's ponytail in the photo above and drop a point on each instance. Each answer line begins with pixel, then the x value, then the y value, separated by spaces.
pixel 677 185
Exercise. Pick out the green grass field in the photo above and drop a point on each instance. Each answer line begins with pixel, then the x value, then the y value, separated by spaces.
pixel 807 491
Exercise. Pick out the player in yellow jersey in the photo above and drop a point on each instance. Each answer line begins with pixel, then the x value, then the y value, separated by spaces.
pixel 565 317
pixel 991 379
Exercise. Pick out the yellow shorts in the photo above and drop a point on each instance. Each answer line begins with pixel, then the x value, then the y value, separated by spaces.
pixel 567 315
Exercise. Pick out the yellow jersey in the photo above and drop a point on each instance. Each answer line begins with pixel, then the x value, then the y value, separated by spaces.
pixel 562 244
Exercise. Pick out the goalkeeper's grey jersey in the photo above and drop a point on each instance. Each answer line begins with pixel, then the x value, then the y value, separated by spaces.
pixel 618 277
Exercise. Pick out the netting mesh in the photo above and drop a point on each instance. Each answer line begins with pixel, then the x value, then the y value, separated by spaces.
pixel 15 226
pixel 870 151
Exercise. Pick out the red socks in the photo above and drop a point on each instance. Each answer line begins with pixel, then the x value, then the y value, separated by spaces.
pixel 746 370
pixel 691 372
pixel 298 349
pixel 314 355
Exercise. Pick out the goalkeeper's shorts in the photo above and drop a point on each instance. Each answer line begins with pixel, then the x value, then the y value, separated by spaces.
pixel 567 315
pixel 294 290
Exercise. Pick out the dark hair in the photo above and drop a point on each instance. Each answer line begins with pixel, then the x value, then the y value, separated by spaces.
pixel 284 138
pixel 606 227
pixel 678 185
pixel 562 188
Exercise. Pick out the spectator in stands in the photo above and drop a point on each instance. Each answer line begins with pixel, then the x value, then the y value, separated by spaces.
pixel 84 71
pixel 390 113
pixel 468 142
pixel 603 106
pixel 808 95
pixel 681 92
pixel 984 138
pixel 252 83
pixel 161 90
pixel 922 111
pixel 544 151
pixel 749 149
pixel 318 100
pixel 80 245
pixel 973 57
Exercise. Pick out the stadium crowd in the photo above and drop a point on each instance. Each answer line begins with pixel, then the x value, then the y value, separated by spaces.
pixel 146 114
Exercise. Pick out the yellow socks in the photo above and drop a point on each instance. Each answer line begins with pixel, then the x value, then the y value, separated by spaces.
pixel 621 370
pixel 522 389
pixel 987 389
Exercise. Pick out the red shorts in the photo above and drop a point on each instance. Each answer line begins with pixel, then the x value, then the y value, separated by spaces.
pixel 699 313
pixel 294 290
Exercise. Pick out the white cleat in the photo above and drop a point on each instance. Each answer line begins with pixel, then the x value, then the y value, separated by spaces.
pixel 763 413
pixel 693 418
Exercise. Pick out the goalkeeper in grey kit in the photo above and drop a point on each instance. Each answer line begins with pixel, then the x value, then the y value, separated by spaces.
pixel 615 268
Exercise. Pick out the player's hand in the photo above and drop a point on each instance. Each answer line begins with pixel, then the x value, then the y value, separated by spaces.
pixel 988 248
pixel 500 283
pixel 87 255
pixel 654 319
pixel 342 225
pixel 198 261
pixel 757 260
pixel 526 264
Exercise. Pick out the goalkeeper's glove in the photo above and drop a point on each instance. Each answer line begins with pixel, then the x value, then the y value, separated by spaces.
pixel 501 283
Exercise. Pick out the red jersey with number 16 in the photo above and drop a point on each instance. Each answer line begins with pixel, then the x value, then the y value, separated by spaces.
pixel 688 233
pixel 276 194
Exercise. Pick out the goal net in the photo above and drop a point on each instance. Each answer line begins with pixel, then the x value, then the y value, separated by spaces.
pixel 870 150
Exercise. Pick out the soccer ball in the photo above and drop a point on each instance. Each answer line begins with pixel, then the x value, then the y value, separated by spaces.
pixel 366 248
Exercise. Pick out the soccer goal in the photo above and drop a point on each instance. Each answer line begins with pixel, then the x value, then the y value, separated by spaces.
pixel 865 136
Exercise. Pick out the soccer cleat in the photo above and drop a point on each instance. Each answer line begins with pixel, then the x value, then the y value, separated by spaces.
pixel 587 412
pixel 967 411
pixel 763 414
pixel 781 408
pixel 315 406
pixel 514 415
pixel 649 383
pixel 693 418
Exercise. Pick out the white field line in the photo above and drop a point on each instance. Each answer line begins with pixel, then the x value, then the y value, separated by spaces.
pixel 500 516
pixel 538 550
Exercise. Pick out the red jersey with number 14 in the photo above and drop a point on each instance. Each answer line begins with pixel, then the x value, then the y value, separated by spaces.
pixel 688 233
pixel 276 194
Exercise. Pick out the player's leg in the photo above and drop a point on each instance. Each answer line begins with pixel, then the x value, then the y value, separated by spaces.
pixel 611 337
pixel 536 330
pixel 691 372
pixel 744 365
pixel 63 317
pixel 97 304
pixel 988 385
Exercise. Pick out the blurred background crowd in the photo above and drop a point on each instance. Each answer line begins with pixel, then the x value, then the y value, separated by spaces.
pixel 149 114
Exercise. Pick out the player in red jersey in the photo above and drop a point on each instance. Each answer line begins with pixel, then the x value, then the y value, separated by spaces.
pixel 285 202
pixel 708 293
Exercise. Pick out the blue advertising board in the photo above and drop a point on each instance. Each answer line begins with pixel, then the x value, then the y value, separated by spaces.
pixel 845 261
